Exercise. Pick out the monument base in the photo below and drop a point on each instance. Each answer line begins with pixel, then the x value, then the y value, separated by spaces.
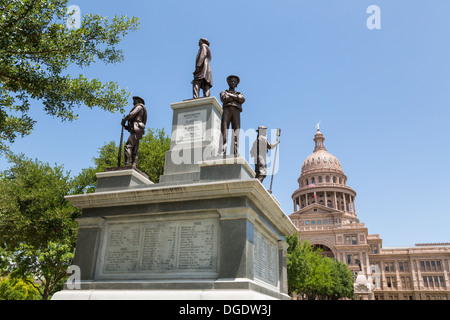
pixel 207 230
pixel 121 178
pixel 161 295
pixel 230 289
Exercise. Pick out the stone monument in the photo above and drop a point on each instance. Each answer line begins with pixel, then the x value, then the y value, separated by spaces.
pixel 208 230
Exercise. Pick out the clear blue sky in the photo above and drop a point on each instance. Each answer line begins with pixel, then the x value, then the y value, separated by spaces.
pixel 382 96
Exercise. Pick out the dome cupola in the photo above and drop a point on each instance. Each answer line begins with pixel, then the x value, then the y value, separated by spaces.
pixel 322 181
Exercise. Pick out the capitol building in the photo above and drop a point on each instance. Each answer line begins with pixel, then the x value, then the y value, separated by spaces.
pixel 325 214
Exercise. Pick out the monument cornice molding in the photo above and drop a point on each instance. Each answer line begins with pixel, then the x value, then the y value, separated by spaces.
pixel 252 189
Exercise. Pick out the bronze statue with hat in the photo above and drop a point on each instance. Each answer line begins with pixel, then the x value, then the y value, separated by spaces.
pixel 137 119
pixel 232 101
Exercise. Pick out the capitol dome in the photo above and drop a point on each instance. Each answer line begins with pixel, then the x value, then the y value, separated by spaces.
pixel 323 182
pixel 321 160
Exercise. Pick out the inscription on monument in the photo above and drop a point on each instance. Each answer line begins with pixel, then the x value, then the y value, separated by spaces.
pixel 265 259
pixel 191 127
pixel 161 247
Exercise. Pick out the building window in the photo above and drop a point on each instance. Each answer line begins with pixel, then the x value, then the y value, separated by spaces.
pixel 442 282
pixel 320 179
pixel 430 265
pixel 403 266
pixel 425 282
pixel 374 249
pixel 324 221
pixel 327 179
pixel 406 282
pixel 391 282
pixel 389 266
pixel 430 281
pixel 350 240
pixel 307 223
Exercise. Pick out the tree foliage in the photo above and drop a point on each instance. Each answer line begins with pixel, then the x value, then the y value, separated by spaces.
pixel 312 276
pixel 37 46
pixel 17 289
pixel 38 229
pixel 37 225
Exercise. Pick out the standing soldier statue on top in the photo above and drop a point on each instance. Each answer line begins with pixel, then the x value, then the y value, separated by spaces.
pixel 259 152
pixel 202 73
pixel 137 118
pixel 232 107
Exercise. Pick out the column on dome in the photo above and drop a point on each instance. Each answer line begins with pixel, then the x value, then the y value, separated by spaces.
pixel 345 203
pixel 335 201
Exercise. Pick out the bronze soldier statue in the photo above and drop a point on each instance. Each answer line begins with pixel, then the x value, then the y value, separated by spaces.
pixel 202 73
pixel 232 108
pixel 137 118
pixel 259 152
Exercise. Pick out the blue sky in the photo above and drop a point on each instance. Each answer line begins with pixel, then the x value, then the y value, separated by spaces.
pixel 382 96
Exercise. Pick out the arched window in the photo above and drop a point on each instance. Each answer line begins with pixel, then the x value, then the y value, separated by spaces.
pixel 334 179
pixel 320 179
pixel 327 179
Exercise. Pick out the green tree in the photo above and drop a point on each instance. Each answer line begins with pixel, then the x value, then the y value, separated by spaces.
pixel 343 277
pixel 37 225
pixel 312 276
pixel 37 47
pixel 17 289
pixel 152 150
pixel 297 265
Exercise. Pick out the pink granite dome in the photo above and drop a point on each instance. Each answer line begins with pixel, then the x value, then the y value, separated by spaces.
pixel 320 159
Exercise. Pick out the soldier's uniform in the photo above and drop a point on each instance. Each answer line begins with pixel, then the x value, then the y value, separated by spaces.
pixel 232 108
pixel 137 119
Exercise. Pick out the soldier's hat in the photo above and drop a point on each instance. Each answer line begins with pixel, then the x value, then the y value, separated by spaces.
pixel 204 40
pixel 233 76
pixel 262 128
pixel 139 99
